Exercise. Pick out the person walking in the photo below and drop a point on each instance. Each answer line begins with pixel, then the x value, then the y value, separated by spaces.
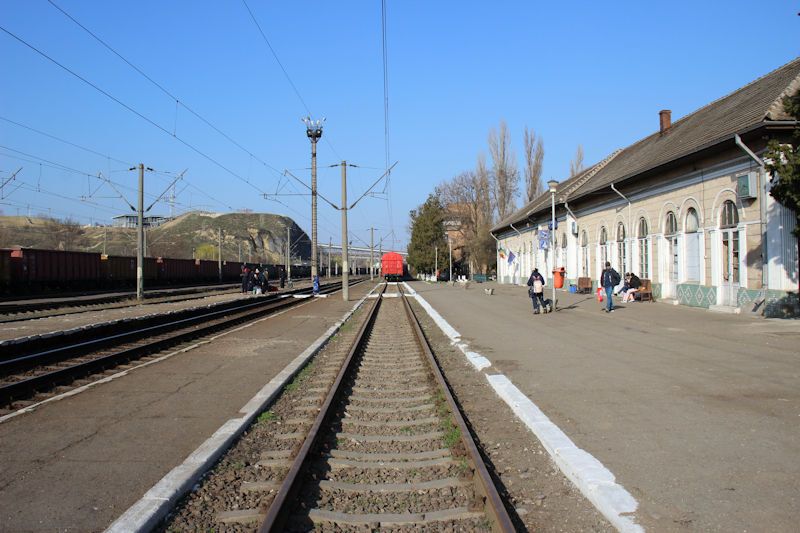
pixel 536 290
pixel 245 277
pixel 609 279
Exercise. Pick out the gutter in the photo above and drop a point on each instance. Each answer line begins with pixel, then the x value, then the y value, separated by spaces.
pixel 762 212
pixel 630 227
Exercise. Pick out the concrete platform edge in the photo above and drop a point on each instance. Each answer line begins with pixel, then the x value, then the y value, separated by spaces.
pixel 588 474
pixel 146 513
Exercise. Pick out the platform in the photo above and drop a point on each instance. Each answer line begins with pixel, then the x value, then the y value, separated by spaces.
pixel 694 413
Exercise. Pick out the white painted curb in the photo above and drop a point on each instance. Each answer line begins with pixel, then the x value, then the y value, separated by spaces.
pixel 145 514
pixel 588 474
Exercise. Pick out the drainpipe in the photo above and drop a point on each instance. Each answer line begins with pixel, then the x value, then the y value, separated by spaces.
pixel 577 241
pixel 630 224
pixel 762 212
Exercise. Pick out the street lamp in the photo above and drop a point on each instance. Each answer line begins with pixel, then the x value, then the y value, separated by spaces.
pixel 552 184
pixel 314 132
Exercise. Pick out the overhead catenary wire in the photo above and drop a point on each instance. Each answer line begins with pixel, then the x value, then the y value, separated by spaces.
pixel 164 90
pixel 285 73
pixel 59 139
pixel 131 109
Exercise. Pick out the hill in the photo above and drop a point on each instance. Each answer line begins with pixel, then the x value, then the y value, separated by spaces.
pixel 252 236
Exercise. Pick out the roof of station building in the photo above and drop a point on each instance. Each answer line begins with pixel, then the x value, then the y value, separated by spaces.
pixel 755 104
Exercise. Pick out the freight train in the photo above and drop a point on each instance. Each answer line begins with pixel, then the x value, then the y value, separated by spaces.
pixel 31 271
pixel 393 267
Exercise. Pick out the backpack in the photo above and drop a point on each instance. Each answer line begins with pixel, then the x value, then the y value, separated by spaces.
pixel 537 286
pixel 615 279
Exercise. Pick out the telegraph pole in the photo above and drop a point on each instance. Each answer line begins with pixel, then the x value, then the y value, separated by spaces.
pixel 371 251
pixel 330 245
pixel 140 238
pixel 345 273
pixel 219 255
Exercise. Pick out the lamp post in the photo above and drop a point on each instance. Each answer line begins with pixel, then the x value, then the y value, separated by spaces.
pixel 552 184
pixel 314 132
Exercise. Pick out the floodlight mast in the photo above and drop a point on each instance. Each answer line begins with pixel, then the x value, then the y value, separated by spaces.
pixel 314 133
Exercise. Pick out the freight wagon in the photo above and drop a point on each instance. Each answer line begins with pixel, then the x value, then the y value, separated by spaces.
pixel 393 267
pixel 32 271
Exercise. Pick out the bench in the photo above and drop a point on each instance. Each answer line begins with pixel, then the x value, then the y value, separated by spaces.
pixel 584 286
pixel 645 292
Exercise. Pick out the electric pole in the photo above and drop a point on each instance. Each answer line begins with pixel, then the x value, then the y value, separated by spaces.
pixel 371 251
pixel 330 245
pixel 345 273
pixel 288 253
pixel 314 132
pixel 140 238
pixel 219 255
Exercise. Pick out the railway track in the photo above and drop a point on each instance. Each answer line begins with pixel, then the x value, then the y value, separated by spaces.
pixel 41 308
pixel 374 441
pixel 36 365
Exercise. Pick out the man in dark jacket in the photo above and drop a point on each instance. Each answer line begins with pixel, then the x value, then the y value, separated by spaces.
pixel 609 279
pixel 536 290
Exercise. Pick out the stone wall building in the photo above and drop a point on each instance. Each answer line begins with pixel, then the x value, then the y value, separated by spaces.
pixel 686 207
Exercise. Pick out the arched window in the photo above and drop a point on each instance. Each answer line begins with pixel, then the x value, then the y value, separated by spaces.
pixel 690 227
pixel 622 255
pixel 670 232
pixel 729 217
pixel 603 247
pixel 584 254
pixel 644 255
pixel 671 227
pixel 692 221
pixel 728 220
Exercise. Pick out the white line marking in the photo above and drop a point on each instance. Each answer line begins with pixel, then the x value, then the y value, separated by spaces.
pixel 145 514
pixel 588 474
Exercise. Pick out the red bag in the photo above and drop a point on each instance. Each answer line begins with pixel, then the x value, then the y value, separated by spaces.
pixel 599 294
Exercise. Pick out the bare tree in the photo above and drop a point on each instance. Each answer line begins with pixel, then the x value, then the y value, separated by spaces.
pixel 576 165
pixel 504 170
pixel 534 157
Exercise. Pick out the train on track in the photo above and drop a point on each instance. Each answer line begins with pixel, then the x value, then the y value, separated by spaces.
pixel 31 271
pixel 394 267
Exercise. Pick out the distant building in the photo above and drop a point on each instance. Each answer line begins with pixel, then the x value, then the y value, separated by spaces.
pixel 687 207
pixel 132 221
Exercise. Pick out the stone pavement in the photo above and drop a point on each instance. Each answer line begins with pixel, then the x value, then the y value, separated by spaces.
pixel 78 463
pixel 696 413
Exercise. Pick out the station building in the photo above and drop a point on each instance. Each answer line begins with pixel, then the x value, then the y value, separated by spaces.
pixel 687 208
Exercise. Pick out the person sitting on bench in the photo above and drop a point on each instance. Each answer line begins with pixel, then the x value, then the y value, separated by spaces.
pixel 634 284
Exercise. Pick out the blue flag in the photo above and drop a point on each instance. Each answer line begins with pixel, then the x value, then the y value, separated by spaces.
pixel 511 257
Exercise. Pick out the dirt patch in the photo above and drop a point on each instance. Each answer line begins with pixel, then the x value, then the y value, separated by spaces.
pixel 539 496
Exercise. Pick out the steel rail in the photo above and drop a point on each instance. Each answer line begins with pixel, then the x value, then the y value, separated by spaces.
pixel 279 508
pixel 55 345
pixel 23 388
pixel 496 510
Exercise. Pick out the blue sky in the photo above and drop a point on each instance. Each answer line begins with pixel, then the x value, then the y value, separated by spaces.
pixel 589 73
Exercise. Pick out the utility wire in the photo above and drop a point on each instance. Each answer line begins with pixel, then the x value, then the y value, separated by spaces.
pixel 163 89
pixel 285 73
pixel 95 152
pixel 132 110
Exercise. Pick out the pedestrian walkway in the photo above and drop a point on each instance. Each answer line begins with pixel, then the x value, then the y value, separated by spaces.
pixel 695 413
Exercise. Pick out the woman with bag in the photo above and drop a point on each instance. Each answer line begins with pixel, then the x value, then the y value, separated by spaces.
pixel 536 290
